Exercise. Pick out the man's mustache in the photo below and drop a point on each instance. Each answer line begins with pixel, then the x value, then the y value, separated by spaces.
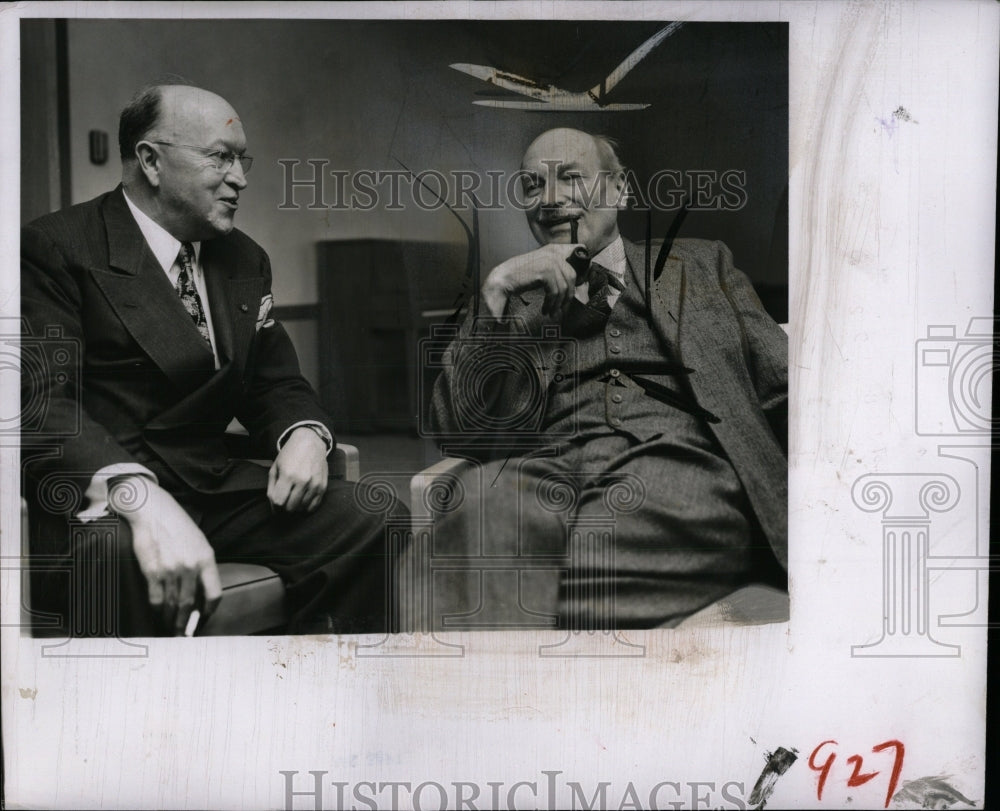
pixel 558 216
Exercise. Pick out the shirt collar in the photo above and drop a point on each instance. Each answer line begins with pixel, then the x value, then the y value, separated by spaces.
pixel 613 257
pixel 162 243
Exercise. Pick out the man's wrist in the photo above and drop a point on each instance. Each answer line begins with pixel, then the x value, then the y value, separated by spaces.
pixel 129 492
pixel 314 430
pixel 317 431
pixel 316 427
pixel 497 280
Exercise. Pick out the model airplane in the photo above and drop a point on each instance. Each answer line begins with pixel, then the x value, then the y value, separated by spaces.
pixel 555 99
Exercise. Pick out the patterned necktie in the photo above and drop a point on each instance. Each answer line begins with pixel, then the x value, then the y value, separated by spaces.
pixel 600 281
pixel 189 293
pixel 584 320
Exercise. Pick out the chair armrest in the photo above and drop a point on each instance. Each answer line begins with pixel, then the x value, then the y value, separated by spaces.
pixel 25 557
pixel 346 462
pixel 253 600
pixel 419 484
pixel 756 604
pixel 24 526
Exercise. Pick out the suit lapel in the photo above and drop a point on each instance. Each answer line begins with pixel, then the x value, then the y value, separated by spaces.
pixel 219 304
pixel 234 301
pixel 666 296
pixel 132 281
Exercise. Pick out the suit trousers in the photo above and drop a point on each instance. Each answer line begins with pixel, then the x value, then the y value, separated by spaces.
pixel 609 532
pixel 334 562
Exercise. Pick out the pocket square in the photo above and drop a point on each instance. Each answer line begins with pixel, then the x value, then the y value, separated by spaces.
pixel 266 303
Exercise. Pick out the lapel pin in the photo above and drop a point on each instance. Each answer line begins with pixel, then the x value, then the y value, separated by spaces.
pixel 244 308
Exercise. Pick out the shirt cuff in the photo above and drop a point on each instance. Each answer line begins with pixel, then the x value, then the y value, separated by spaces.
pixel 96 497
pixel 321 430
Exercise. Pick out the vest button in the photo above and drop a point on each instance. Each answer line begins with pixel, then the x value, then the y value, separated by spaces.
pixel 616 421
pixel 616 398
pixel 615 333
pixel 614 373
pixel 614 349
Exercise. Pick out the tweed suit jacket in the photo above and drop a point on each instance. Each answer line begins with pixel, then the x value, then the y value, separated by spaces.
pixel 145 388
pixel 709 318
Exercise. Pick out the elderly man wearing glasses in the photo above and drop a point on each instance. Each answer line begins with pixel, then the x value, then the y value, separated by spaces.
pixel 169 307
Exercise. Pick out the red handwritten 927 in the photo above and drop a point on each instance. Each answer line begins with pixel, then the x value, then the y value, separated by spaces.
pixel 858 777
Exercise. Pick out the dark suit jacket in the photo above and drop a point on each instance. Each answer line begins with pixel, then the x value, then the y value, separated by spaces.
pixel 146 389
pixel 710 319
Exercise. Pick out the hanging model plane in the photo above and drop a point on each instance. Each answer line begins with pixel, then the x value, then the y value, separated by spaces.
pixel 555 99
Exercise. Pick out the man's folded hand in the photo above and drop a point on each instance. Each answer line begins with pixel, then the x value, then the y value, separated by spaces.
pixel 297 478
pixel 546 267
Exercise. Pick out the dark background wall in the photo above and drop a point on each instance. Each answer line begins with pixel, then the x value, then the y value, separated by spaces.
pixel 364 94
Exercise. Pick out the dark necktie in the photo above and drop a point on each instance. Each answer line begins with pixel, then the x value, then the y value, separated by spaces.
pixel 600 282
pixel 189 293
pixel 584 320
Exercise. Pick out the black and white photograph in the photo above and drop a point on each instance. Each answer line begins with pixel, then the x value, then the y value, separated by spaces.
pixel 612 472
pixel 467 405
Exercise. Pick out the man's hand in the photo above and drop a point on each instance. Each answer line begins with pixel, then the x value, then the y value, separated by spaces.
pixel 545 267
pixel 173 554
pixel 297 479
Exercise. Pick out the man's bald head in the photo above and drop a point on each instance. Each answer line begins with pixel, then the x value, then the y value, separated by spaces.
pixel 606 148
pixel 170 104
pixel 571 176
pixel 183 152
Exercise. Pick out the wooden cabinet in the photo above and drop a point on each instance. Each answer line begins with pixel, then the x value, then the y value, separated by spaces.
pixel 377 299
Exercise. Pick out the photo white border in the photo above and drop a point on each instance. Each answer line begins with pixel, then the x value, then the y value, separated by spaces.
pixel 891 231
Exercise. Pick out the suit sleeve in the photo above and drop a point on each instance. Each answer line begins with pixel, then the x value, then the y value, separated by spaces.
pixel 766 344
pixel 277 396
pixel 52 353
